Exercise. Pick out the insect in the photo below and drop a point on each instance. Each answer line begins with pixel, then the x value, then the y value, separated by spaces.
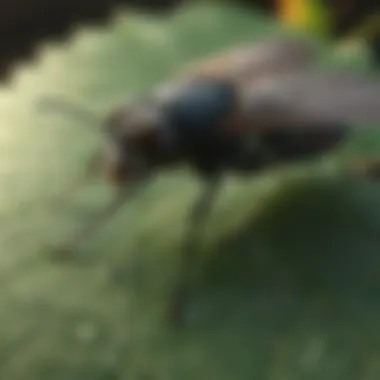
pixel 244 110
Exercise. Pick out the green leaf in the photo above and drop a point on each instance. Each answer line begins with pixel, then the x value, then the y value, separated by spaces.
pixel 288 264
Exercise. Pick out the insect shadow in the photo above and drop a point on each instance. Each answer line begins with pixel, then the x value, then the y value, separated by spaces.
pixel 313 235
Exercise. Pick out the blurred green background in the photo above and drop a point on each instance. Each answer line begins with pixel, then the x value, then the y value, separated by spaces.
pixel 289 270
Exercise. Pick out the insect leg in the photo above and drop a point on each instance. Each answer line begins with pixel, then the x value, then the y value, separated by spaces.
pixel 99 221
pixel 196 223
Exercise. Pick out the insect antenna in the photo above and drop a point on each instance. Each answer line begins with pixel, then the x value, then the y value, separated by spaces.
pixel 78 112
pixel 70 108
pixel 91 168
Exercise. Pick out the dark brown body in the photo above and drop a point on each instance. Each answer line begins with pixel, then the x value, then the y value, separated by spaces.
pixel 257 130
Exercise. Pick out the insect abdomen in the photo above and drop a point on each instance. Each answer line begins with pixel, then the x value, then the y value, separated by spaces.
pixel 307 142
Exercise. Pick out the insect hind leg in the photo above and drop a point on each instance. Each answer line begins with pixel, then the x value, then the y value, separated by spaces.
pixel 195 226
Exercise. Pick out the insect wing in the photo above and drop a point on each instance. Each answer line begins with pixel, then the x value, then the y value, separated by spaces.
pixel 296 100
pixel 254 60
pixel 245 62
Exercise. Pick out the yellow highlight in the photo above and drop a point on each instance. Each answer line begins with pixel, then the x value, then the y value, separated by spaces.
pixel 292 12
pixel 304 14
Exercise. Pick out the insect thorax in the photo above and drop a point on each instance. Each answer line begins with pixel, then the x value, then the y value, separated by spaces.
pixel 196 116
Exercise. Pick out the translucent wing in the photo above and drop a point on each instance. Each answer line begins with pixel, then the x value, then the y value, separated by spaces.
pixel 296 100
pixel 254 60
pixel 247 62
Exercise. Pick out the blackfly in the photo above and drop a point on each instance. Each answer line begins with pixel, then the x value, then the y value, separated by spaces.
pixel 243 110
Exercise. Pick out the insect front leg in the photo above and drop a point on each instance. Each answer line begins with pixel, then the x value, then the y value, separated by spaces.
pixel 121 196
pixel 195 226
